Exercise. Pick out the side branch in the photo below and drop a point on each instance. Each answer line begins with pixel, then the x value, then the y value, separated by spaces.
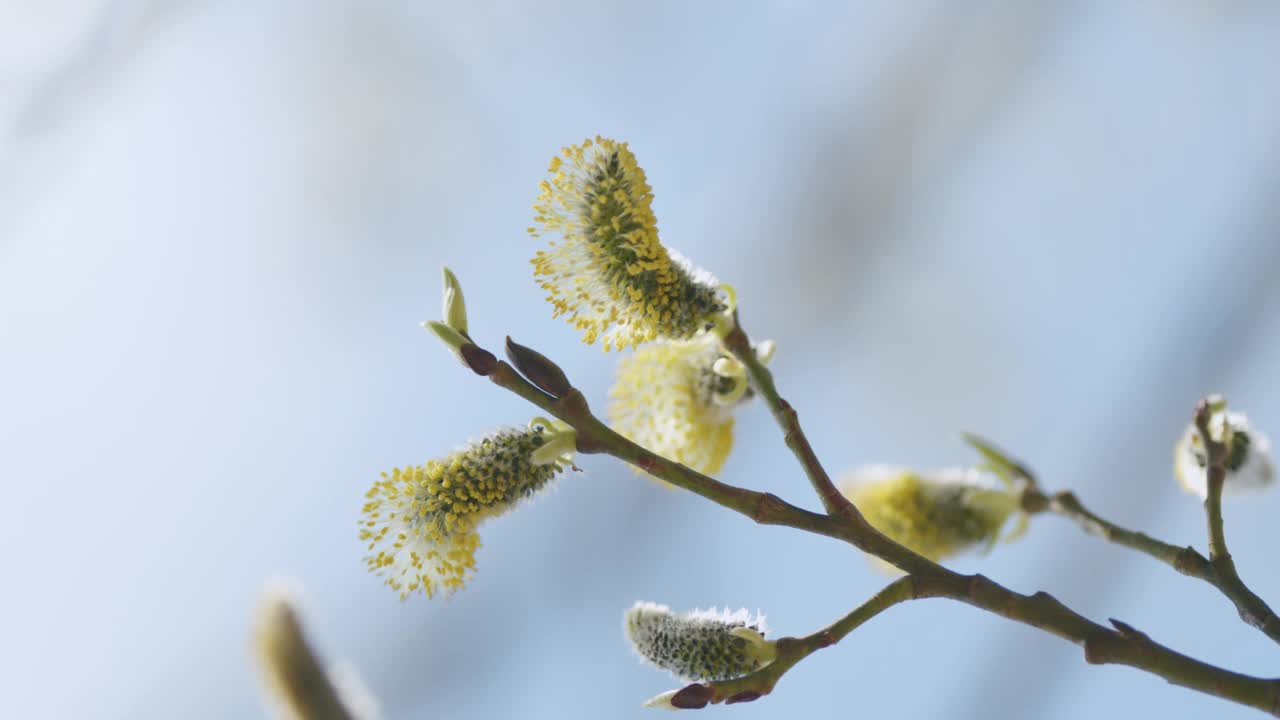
pixel 791 650
pixel 1218 569
pixel 1215 476
pixel 1185 560
pixel 1219 572
pixel 737 343
pixel 1252 608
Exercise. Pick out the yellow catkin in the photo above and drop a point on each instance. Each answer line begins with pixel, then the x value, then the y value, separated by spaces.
pixel 937 516
pixel 608 274
pixel 664 399
pixel 419 523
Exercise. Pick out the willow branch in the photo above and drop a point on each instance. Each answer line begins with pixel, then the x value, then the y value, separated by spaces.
pixel 1219 572
pixel 1185 559
pixel 1118 645
pixel 791 650
pixel 737 343
pixel 1215 477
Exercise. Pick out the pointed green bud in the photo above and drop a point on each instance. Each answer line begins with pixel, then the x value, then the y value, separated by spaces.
pixel 998 461
pixel 452 339
pixel 447 334
pixel 474 357
pixel 455 307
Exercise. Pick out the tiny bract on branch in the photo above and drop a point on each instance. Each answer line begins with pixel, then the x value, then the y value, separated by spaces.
pixel 671 416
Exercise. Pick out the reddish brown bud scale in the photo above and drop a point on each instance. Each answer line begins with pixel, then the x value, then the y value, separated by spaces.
pixel 481 361
pixel 692 697
pixel 539 369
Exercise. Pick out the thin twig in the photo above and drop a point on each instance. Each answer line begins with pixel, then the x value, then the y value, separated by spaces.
pixel 1218 571
pixel 1186 560
pixel 1252 608
pixel 792 650
pixel 737 343
pixel 1215 477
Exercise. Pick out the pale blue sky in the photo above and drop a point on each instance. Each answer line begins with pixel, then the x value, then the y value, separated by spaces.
pixel 220 224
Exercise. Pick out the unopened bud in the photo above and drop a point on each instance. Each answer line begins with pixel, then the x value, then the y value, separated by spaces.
pixel 539 369
pixel 455 307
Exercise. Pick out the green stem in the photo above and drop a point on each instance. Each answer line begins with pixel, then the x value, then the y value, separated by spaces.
pixel 792 650
pixel 738 345
pixel 1215 477
pixel 1220 572
pixel 1253 609
pixel 1185 560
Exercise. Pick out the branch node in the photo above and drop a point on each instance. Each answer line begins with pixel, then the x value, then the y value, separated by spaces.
pixel 574 404
pixel 1190 562
pixel 767 508
pixel 826 640
pixel 1095 649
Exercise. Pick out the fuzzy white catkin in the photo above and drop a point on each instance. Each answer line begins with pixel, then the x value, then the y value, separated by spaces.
pixel 1249 463
pixel 699 646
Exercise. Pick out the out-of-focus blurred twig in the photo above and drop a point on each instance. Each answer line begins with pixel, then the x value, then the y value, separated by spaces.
pixel 296 680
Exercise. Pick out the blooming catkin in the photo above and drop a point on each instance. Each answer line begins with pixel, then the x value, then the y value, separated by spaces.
pixel 609 273
pixel 699 646
pixel 1249 465
pixel 420 522
pixel 938 514
pixel 667 398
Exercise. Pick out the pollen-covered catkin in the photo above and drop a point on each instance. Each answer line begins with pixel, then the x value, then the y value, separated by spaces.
pixel 420 522
pixel 668 398
pixel 608 272
pixel 936 514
